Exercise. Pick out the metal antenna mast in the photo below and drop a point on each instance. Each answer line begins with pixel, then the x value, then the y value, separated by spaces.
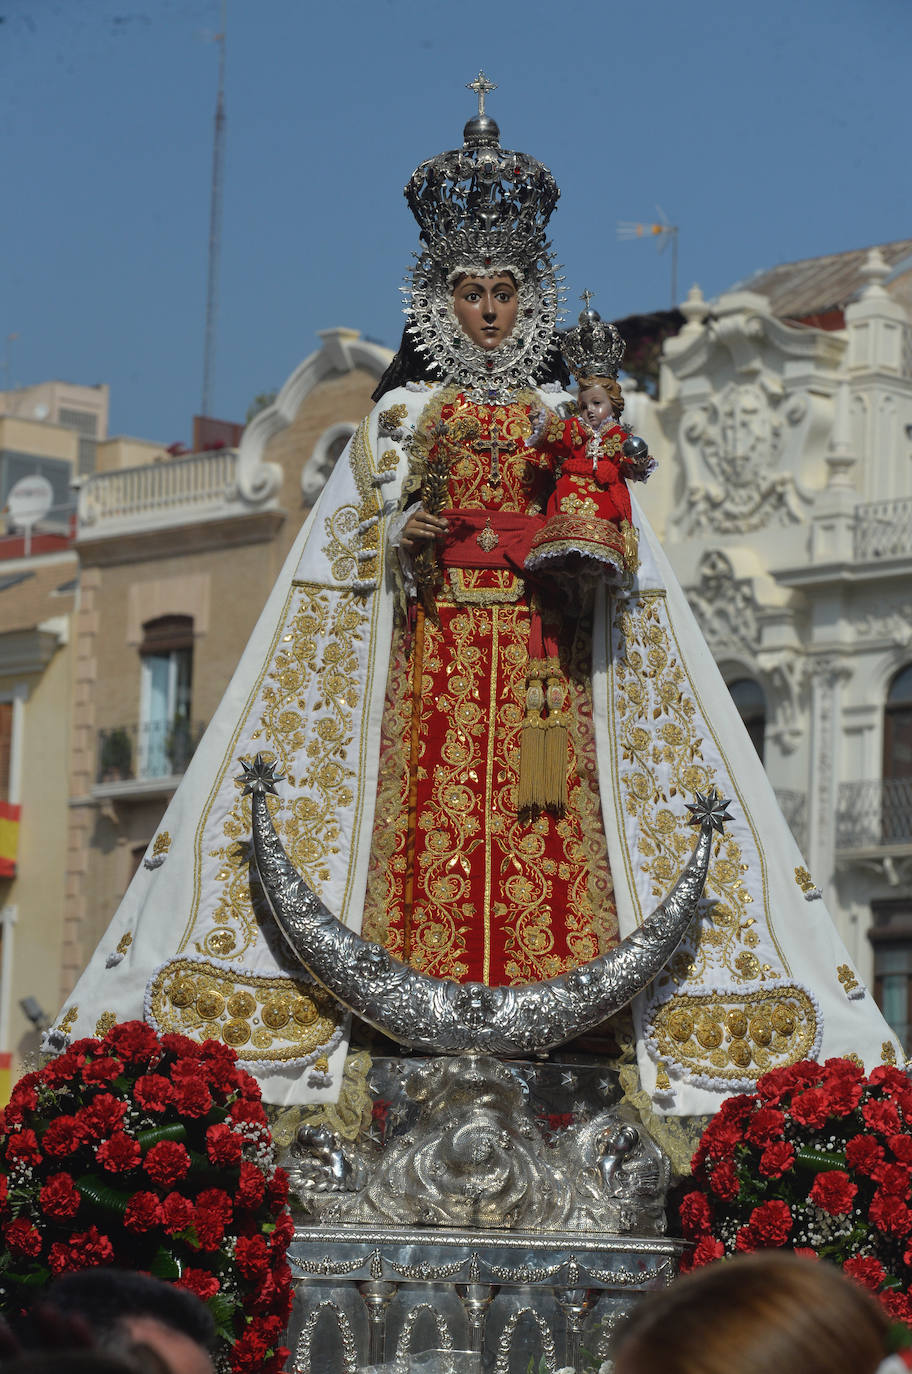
pixel 215 223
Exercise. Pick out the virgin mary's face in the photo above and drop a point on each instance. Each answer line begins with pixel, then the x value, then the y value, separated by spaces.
pixel 486 308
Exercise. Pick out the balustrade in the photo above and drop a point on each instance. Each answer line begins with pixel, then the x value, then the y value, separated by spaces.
pixel 202 480
pixel 874 814
pixel 883 529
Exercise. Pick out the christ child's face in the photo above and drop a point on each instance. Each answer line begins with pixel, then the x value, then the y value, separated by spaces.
pixel 486 308
pixel 595 405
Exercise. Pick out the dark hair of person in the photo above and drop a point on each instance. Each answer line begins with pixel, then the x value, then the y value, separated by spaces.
pixel 753 1314
pixel 410 365
pixel 103 1298
pixel 78 1362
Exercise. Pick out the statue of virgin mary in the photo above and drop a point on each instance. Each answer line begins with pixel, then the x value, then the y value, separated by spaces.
pixel 482 774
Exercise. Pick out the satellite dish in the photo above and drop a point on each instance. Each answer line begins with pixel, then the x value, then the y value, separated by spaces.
pixel 30 500
pixel 41 411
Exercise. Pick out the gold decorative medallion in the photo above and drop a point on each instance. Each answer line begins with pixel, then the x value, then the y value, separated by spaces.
pixel 729 1037
pixel 283 1019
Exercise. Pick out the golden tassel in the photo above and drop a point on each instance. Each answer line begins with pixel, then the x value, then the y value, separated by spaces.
pixel 529 788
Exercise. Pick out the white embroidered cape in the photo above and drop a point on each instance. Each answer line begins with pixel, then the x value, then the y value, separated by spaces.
pixel 763 981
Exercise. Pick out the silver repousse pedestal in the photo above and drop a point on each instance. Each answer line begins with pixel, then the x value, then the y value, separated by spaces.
pixel 514 1210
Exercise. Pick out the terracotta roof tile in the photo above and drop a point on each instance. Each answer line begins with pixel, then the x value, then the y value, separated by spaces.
pixel 814 286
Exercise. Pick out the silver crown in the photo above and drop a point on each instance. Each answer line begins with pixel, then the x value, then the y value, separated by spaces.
pixel 593 347
pixel 482 204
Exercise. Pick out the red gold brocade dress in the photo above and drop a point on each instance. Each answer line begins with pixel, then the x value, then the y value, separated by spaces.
pixel 499 897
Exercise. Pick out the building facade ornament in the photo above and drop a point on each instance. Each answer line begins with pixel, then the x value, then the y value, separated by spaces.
pixel 726 607
pixel 736 441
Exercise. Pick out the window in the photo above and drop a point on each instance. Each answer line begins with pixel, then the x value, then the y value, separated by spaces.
pixel 896 802
pixel 750 700
pixel 85 422
pixel 165 696
pixel 891 938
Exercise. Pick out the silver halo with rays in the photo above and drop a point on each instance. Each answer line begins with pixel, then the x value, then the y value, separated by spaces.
pixel 441 1016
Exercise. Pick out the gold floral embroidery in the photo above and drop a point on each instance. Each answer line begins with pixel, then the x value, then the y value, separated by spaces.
pixel 660 741
pixel 105 1022
pixel 288 1017
pixel 345 526
pixel 848 980
pixel 888 1053
pixel 579 505
pixel 311 747
pixel 389 421
pixel 554 429
pixel 161 844
pixel 484 586
pixel 68 1020
pixel 727 1034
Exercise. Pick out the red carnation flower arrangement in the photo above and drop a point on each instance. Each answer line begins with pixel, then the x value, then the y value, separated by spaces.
pixel 818 1160
pixel 152 1153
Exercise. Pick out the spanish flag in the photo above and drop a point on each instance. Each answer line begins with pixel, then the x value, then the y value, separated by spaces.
pixel 9 839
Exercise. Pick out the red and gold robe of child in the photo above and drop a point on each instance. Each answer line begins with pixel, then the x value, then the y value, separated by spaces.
pixel 499 897
pixel 588 515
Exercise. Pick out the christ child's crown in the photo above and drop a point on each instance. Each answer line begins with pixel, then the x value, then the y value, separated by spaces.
pixel 593 347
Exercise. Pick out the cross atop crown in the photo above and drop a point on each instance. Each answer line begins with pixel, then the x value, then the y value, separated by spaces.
pixel 586 297
pixel 482 87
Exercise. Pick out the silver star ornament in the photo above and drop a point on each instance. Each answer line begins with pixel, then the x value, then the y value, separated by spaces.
pixel 710 806
pixel 259 776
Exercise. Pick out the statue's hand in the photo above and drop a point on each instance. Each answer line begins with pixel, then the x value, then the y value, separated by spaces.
pixel 420 528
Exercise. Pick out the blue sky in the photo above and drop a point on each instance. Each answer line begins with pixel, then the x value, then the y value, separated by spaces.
pixel 767 132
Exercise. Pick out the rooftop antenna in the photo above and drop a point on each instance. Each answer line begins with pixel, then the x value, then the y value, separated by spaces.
pixel 215 222
pixel 664 233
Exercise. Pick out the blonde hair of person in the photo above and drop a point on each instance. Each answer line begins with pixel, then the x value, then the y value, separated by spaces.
pixel 766 1313
pixel 612 387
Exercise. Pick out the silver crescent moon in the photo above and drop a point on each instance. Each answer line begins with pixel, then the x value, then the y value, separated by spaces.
pixel 444 1017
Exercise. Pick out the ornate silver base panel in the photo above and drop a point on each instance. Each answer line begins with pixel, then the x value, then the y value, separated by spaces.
pixel 393 1292
pixel 507 1209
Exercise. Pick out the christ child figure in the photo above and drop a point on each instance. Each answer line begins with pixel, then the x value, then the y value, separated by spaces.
pixel 588 530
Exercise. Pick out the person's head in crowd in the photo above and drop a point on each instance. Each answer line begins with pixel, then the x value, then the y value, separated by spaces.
pixel 53 1361
pixel 130 1315
pixel 766 1313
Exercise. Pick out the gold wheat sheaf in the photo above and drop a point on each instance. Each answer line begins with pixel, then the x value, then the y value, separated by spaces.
pixel 434 458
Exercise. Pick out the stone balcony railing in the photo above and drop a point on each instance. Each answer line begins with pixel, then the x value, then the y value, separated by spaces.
pixel 883 529
pixel 202 486
pixel 876 814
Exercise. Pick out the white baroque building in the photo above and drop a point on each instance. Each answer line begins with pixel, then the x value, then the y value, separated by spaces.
pixel 785 504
